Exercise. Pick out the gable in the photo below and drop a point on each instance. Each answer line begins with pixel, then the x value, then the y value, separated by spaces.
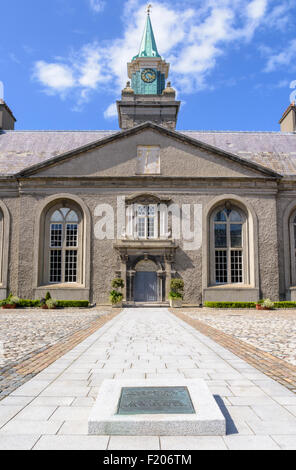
pixel 178 157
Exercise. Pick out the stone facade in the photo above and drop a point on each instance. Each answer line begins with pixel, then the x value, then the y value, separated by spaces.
pixel 216 209
pixel 189 175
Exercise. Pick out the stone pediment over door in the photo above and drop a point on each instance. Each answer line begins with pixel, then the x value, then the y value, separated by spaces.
pixel 170 154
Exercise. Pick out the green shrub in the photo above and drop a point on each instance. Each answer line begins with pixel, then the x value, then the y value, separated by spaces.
pixel 72 303
pixel 285 304
pixel 115 297
pixel 177 289
pixel 12 300
pixel 28 303
pixel 175 295
pixel 117 283
pixel 177 285
pixel 47 296
pixel 230 304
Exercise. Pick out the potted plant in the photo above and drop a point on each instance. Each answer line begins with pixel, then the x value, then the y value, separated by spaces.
pixel 176 293
pixel 43 302
pixel 117 283
pixel 51 304
pixel 265 304
pixel 11 302
pixel 116 299
pixel 115 296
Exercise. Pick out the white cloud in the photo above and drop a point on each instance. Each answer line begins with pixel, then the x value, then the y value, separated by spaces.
pixel 283 58
pixel 55 77
pixel 111 111
pixel 256 9
pixel 97 5
pixel 191 37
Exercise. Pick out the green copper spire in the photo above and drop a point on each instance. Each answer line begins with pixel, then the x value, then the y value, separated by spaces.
pixel 148 46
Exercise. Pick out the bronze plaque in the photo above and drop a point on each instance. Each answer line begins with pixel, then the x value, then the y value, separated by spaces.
pixel 155 400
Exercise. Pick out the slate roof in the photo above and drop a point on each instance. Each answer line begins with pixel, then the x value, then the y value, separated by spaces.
pixel 273 150
pixel 22 149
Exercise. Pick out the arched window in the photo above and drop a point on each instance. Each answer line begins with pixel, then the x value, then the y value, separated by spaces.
pixel 1 245
pixel 63 253
pixel 228 246
pixel 293 247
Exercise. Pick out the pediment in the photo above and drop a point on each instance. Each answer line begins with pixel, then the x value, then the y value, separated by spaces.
pixel 118 156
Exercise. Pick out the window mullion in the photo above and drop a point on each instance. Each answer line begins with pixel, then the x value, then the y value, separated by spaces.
pixel 228 243
pixel 63 252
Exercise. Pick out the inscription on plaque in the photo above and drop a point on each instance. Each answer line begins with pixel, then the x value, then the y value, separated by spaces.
pixel 155 400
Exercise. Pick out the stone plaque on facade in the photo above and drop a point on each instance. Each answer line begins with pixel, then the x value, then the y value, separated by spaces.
pixel 148 160
pixel 155 400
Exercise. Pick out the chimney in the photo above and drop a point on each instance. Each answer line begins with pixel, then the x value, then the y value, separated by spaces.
pixel 288 120
pixel 7 119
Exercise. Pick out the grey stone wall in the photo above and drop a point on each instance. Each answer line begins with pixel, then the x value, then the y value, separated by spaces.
pixel 105 259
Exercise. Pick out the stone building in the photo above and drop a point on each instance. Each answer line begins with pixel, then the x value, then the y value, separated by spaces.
pixel 217 209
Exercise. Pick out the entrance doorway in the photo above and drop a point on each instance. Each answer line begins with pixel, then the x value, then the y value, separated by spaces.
pixel 145 287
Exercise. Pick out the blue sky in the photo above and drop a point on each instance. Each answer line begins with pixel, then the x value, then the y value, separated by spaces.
pixel 63 62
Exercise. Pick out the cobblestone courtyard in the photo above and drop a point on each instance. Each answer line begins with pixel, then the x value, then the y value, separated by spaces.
pixel 273 331
pixel 27 335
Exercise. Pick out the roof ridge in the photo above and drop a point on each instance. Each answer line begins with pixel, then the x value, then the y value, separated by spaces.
pixel 236 132
pixel 57 130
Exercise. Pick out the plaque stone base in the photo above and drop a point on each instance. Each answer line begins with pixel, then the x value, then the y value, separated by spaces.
pixel 156 407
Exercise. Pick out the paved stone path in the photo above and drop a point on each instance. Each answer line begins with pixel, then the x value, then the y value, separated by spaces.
pixel 51 410
pixel 273 331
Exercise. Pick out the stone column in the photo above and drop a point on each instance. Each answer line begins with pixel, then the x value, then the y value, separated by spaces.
pixel 159 285
pixel 123 263
pixel 168 273
pixel 131 275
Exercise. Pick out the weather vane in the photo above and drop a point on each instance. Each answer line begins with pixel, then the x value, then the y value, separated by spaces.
pixel 149 8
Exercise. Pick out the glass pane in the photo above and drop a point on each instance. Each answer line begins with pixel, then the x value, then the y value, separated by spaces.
pixel 236 235
pixel 64 211
pixel 221 266
pixel 56 234
pixel 72 217
pixel 141 227
pixel 71 266
pixel 220 236
pixel 236 266
pixel 142 210
pixel 55 274
pixel 72 235
pixel 220 217
pixel 57 217
pixel 150 227
pixel 151 210
pixel 295 235
pixel 235 216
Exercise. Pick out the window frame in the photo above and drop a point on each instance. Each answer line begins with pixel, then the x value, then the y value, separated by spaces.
pixel 244 246
pixel 146 218
pixel 48 248
pixel 292 237
pixel 1 247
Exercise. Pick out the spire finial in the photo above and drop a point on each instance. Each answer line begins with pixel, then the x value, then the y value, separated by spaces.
pixel 149 6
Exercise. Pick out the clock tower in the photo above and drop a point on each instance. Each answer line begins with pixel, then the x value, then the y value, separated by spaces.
pixel 146 97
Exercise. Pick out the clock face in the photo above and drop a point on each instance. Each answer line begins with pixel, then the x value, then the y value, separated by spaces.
pixel 148 75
